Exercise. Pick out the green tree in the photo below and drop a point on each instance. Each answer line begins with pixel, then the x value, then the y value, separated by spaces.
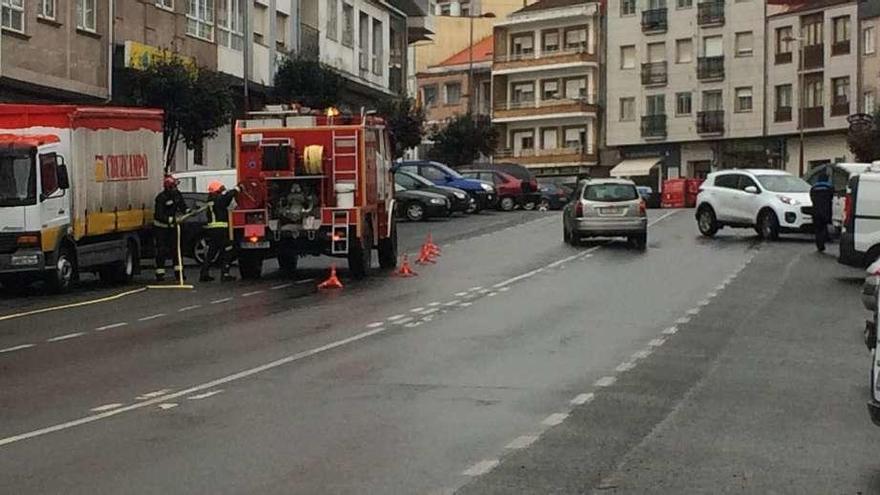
pixel 463 139
pixel 196 101
pixel 406 123
pixel 308 82
pixel 863 137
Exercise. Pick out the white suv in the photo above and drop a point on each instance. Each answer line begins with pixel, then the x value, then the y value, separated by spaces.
pixel 770 201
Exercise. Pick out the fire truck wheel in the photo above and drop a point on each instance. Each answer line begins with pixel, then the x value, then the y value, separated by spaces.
pixel 360 254
pixel 250 265
pixel 388 249
pixel 288 260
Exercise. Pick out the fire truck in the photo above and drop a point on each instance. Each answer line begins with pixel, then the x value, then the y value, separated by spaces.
pixel 313 183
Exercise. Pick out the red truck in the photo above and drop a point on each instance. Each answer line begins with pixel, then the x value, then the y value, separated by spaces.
pixel 313 183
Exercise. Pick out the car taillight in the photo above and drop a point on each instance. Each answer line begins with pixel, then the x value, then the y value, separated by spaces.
pixel 579 210
pixel 848 209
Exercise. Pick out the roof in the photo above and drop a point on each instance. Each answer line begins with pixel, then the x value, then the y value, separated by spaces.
pixel 22 116
pixel 19 141
pixel 794 6
pixel 609 181
pixel 550 4
pixel 754 171
pixel 482 52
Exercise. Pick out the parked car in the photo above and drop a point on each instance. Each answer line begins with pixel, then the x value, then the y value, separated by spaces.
pixel 442 175
pixel 870 294
pixel 511 191
pixel 530 182
pixel 553 196
pixel 770 201
pixel 417 206
pixel 839 174
pixel 197 181
pixel 860 240
pixel 606 208
pixel 459 200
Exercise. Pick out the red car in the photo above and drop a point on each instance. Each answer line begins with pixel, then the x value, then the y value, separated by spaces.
pixel 512 192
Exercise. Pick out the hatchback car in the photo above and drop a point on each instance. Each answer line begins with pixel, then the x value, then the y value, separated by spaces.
pixel 441 175
pixel 417 206
pixel 459 200
pixel 553 196
pixel 606 208
pixel 512 192
pixel 770 201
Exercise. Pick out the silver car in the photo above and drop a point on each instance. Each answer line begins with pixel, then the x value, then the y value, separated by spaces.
pixel 606 208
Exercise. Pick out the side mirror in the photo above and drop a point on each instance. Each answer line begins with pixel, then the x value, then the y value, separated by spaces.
pixel 63 177
pixel 751 189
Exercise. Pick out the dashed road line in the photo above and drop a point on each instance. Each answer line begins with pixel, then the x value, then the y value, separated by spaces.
pixel 16 348
pixel 210 393
pixel 396 317
pixel 642 354
pixel 281 286
pixel 704 303
pixel 466 304
pixel 402 321
pixel 605 381
pixel 66 337
pixel 683 320
pixel 375 324
pixel 168 405
pixel 657 342
pixel 413 324
pixel 461 294
pixel 521 442
pixel 582 399
pixel 430 311
pixel 453 302
pixel 111 326
pixel 693 312
pixel 152 317
pixel 474 289
pixel 625 366
pixel 434 304
pixel 189 308
pixel 221 301
pixel 417 310
pixel 151 395
pixel 670 331
pixel 304 281
pixel 492 294
pixel 481 468
pixel 107 407
pixel 554 419
pixel 253 293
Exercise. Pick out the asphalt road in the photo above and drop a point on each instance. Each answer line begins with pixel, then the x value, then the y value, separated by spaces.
pixel 516 364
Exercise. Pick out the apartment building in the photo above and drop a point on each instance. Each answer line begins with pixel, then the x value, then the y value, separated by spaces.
pixel 445 89
pixel 812 74
pixel 685 86
pixel 869 63
pixel 545 82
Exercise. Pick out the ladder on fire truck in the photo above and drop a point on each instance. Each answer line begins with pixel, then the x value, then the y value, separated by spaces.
pixel 344 169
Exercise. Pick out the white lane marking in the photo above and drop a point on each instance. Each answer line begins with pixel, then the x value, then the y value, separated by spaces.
pixel 657 342
pixel 642 354
pixel 168 405
pixel 554 419
pixel 474 289
pixel 711 295
pixel 521 442
pixel 625 366
pixel 16 348
pixel 466 304
pixel 563 261
pixel 189 308
pixel 401 321
pixel 693 312
pixel 221 301
pixel 254 293
pixel 282 286
pixel 484 291
pixel 152 317
pixel 492 294
pixel 605 381
pixel 396 317
pixel 416 310
pixel 150 395
pixel 111 326
pixel 683 320
pixel 720 287
pixel 670 331
pixel 516 279
pixel 413 324
pixel 210 393
pixel 461 294
pixel 106 407
pixel 582 399
pixel 304 281
pixel 66 337
pixel 453 302
pixel 375 324
pixel 196 388
pixel 430 311
pixel 480 468
pixel 504 289
pixel 661 218
pixel 434 304
pixel 703 303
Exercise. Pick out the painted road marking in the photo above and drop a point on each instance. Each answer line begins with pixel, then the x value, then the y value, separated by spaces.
pixel 492 294
pixel 453 302
pixel 16 348
pixel 434 304
pixel 711 295
pixel 168 405
pixel 521 442
pixel 693 312
pixel 554 419
pixel 466 304
pixel 66 337
pixel 430 311
pixel 413 324
pixel 254 293
pixel 375 324
pixel 657 342
pixel 481 468
pixel 111 326
pixel 282 286
pixel 221 301
pixel 503 289
pixel 303 282
pixel 150 395
pixel 683 320
pixel 106 407
pixel 605 381
pixel 189 308
pixel 152 317
pixel 582 399
pixel 474 289
pixel 403 320
pixel 461 294
pixel 73 305
pixel 210 393
pixel 703 303
pixel 416 310
pixel 643 354
pixel 396 317
pixel 670 331
pixel 625 366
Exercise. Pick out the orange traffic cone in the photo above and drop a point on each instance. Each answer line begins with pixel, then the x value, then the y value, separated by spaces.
pixel 425 256
pixel 405 270
pixel 332 281
pixel 433 248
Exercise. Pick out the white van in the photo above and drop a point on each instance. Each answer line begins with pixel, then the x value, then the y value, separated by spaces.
pixel 860 240
pixel 197 181
pixel 839 174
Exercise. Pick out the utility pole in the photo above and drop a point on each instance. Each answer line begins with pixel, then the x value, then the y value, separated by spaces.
pixel 246 49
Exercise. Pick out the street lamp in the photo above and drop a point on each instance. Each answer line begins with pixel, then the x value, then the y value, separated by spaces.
pixel 800 68
pixel 470 93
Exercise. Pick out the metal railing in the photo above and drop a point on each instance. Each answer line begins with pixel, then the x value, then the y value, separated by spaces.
pixel 710 122
pixel 782 114
pixel 588 99
pixel 654 126
pixel 711 12
pixel 580 151
pixel 710 68
pixel 534 55
pixel 654 20
pixel 814 57
pixel 654 73
pixel 813 117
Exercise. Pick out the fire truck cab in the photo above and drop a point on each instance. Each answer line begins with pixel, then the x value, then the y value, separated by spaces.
pixel 313 184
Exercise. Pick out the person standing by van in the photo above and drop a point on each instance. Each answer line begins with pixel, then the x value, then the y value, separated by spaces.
pixel 822 196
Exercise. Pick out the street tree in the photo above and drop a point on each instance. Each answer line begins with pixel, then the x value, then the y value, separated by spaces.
pixel 196 101
pixel 406 123
pixel 308 82
pixel 863 137
pixel 463 139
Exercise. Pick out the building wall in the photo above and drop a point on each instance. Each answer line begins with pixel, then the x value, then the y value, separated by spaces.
pixel 817 148
pixel 870 66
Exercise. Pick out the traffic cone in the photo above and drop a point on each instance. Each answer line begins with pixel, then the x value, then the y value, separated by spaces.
pixel 332 281
pixel 405 270
pixel 425 256
pixel 433 248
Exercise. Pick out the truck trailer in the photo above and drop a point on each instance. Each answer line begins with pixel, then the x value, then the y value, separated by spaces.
pixel 77 186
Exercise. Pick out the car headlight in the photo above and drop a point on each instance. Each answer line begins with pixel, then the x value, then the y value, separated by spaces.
pixel 787 200
pixel 438 201
pixel 487 187
pixel 460 195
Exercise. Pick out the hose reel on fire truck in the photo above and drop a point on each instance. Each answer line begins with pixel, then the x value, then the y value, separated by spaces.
pixel 313 158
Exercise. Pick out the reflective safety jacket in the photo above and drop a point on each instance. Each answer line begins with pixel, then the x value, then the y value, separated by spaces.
pixel 169 204
pixel 218 209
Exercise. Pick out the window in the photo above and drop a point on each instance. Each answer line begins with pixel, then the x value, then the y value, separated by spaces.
pixel 199 18
pixel 332 19
pixel 783 97
pixel 13 15
pixel 683 104
pixel 575 137
pixel 841 29
pixel 429 95
pixel 46 9
pixel 684 4
pixel 575 88
pixel 378 46
pixel 728 181
pixel 445 9
pixel 523 92
pixel 523 140
pixel 743 101
pixel 348 25
pixel 550 41
pixel 576 38
pixel 627 109
pixel 868 102
pixel 550 90
pixel 48 173
pixel 811 30
pixel 784 40
pixel 523 44
pixel 656 52
pixel 465 9
pixel 363 41
pixel 628 57
pixel 744 43
pixel 165 4
pixel 611 193
pixel 85 15
pixel 813 93
pixel 433 174
pixel 280 30
pixel 549 139
pixel 868 41
pixel 452 93
pixel 230 23
pixel 656 104
pixel 713 101
pixel 260 12
pixel 840 91
pixel 684 51
pixel 627 7
pixel 713 46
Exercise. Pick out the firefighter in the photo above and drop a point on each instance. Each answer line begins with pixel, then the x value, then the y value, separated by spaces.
pixel 217 231
pixel 169 205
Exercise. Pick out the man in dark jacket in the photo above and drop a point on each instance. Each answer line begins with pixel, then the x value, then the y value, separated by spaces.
pixel 217 230
pixel 822 195
pixel 169 205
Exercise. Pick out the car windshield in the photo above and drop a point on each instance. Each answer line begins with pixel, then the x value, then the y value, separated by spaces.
pixel 610 193
pixel 419 179
pixel 783 183
pixel 448 170
pixel 18 183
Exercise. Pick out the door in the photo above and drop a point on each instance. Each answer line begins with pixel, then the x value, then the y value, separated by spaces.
pixel 656 104
pixel 724 194
pixel 747 203
pixel 54 202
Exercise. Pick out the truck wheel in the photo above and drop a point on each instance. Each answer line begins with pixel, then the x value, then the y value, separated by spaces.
pixel 288 259
pixel 360 253
pixel 123 271
pixel 62 277
pixel 388 249
pixel 250 265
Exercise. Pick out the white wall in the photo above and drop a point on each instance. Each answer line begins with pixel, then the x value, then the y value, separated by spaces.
pixel 345 58
pixel 831 147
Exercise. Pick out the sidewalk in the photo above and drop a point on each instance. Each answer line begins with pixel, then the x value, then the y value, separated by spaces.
pixel 763 392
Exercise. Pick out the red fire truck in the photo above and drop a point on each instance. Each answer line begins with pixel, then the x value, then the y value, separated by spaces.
pixel 313 183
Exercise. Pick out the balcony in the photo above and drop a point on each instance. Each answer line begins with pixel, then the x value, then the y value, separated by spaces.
pixel 814 117
pixel 814 57
pixel 654 126
pixel 840 48
pixel 654 74
pixel 782 114
pixel 710 68
pixel 710 122
pixel 572 54
pixel 783 58
pixel 550 106
pixel 839 107
pixel 567 154
pixel 654 21
pixel 710 13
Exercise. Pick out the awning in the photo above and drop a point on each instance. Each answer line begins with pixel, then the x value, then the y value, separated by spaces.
pixel 638 167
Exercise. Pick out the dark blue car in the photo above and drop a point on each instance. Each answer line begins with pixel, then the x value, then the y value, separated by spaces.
pixel 483 193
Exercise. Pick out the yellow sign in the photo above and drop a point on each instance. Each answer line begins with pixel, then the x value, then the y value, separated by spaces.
pixel 139 55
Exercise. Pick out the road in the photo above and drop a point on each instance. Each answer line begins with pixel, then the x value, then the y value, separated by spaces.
pixel 516 364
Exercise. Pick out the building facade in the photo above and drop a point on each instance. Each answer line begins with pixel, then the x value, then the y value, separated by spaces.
pixel 869 63
pixel 545 84
pixel 445 89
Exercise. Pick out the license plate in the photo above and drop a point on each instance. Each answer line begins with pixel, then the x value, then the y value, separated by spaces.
pixel 255 245
pixel 610 210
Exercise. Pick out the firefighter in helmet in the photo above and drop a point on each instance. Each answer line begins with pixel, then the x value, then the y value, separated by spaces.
pixel 217 231
pixel 169 205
